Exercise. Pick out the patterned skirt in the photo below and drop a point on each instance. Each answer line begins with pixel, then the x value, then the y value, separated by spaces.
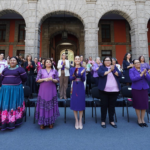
pixel 47 109
pixel 12 106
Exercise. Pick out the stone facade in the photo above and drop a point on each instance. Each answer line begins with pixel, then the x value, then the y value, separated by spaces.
pixel 89 12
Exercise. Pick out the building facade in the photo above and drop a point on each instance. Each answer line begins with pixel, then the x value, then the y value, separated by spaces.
pixel 45 28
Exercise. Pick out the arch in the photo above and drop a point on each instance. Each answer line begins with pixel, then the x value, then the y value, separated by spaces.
pixel 61 31
pixel 71 54
pixel 42 18
pixel 5 11
pixel 67 41
pixel 122 13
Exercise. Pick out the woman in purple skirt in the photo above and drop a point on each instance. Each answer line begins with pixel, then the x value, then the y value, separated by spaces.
pixel 77 76
pixel 139 78
pixel 47 105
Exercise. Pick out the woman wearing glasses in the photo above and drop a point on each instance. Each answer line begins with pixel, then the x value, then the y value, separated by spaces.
pixel 139 78
pixel 109 88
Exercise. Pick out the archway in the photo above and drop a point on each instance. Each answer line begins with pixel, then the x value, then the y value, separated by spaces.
pixel 114 35
pixel 57 30
pixel 69 54
pixel 12 33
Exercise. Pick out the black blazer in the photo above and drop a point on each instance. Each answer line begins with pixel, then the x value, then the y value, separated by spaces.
pixel 103 78
pixel 31 69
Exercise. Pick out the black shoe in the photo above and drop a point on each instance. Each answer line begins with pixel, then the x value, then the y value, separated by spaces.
pixel 140 124
pixel 145 125
pixel 103 126
pixel 115 126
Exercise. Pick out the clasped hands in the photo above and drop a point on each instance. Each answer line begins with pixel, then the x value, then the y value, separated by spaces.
pixel 112 67
pixel 143 72
pixel 48 79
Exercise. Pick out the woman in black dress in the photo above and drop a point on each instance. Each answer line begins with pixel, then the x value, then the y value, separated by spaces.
pixel 29 66
pixel 127 65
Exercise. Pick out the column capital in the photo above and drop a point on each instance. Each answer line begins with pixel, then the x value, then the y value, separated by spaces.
pixel 33 1
pixel 91 1
pixel 140 1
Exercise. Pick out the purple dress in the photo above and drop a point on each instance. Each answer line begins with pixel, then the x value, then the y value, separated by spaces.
pixel 77 102
pixel 145 66
pixel 47 105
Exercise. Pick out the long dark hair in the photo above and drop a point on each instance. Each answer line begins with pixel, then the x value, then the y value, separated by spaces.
pixel 45 63
pixel 140 58
pixel 105 58
pixel 125 57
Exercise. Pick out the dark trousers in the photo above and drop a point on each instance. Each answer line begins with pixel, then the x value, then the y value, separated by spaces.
pixel 108 101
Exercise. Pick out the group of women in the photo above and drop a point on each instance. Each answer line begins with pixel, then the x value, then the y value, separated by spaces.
pixel 105 73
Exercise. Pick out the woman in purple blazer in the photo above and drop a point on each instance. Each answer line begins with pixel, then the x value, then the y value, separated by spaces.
pixel 139 78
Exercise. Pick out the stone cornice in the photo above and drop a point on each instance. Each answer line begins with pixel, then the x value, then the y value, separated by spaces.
pixel 91 1
pixel 140 1
pixel 32 0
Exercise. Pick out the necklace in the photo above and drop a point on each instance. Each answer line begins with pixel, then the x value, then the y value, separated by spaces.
pixel 13 68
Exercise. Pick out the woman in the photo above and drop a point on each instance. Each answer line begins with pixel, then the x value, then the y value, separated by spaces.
pixel 29 66
pixel 77 103
pixel 127 65
pixel 115 63
pixel 47 105
pixel 63 70
pixel 43 62
pixel 3 65
pixel 12 105
pixel 109 88
pixel 144 65
pixel 95 69
pixel 139 78
pixel 35 70
pixel 40 60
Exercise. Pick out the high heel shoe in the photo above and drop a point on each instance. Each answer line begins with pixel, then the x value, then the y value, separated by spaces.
pixel 140 124
pixel 145 125
pixel 76 127
pixel 81 127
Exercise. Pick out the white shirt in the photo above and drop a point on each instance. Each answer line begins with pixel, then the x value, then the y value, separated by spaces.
pixel 3 65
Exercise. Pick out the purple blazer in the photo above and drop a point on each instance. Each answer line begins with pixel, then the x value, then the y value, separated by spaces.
pixel 138 82
pixel 95 72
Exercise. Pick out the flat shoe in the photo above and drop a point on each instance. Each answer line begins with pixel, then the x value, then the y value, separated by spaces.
pixel 81 127
pixel 76 127
pixel 103 126
pixel 114 126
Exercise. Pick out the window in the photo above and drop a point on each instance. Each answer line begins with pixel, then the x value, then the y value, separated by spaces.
pixel 106 53
pixel 2 33
pixel 106 37
pixel 21 36
pixel 20 52
pixel 2 52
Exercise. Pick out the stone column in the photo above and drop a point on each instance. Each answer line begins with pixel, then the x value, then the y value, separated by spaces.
pixel 91 43
pixel 139 40
pixel 32 41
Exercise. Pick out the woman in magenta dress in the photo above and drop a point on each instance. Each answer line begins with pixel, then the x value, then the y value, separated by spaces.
pixel 77 76
pixel 47 105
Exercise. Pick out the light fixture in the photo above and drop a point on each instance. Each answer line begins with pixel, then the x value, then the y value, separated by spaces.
pixel 64 33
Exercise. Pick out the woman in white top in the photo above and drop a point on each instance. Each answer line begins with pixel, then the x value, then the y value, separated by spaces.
pixel 63 72
pixel 3 65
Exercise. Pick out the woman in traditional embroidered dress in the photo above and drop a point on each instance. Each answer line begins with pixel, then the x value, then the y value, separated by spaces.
pixel 47 105
pixel 77 76
pixel 12 105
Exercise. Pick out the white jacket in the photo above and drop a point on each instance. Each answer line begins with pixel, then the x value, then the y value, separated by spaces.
pixel 66 70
